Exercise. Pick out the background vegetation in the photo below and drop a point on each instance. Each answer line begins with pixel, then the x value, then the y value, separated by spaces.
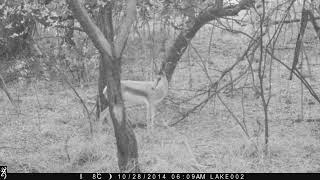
pixel 231 105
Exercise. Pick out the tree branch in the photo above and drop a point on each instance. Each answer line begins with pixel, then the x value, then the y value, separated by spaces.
pixel 92 30
pixel 181 43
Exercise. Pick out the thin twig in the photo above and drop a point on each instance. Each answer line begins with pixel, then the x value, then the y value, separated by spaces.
pixel 234 116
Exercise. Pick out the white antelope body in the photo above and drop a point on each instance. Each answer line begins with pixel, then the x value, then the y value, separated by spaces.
pixel 149 92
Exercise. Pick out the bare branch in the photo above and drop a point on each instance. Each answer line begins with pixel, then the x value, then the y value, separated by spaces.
pixel 93 31
pixel 5 89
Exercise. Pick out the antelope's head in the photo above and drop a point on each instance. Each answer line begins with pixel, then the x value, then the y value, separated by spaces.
pixel 161 79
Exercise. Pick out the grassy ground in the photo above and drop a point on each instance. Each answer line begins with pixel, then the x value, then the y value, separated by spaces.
pixel 51 133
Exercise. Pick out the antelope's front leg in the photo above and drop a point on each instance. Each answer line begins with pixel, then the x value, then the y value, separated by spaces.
pixel 152 114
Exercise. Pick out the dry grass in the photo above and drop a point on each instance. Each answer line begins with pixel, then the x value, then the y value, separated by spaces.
pixel 51 132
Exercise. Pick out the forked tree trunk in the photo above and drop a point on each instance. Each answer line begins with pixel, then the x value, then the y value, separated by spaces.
pixel 126 142
pixel 125 137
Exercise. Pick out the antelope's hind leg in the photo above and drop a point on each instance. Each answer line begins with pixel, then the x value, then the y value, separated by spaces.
pixel 150 116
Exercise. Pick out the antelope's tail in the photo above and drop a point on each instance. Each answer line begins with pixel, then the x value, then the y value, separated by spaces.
pixel 105 91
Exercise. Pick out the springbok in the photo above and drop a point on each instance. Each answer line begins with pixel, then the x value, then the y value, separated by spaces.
pixel 149 92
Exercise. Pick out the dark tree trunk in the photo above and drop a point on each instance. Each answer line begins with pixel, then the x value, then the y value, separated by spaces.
pixel 181 42
pixel 125 137
pixel 104 22
pixel 126 140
